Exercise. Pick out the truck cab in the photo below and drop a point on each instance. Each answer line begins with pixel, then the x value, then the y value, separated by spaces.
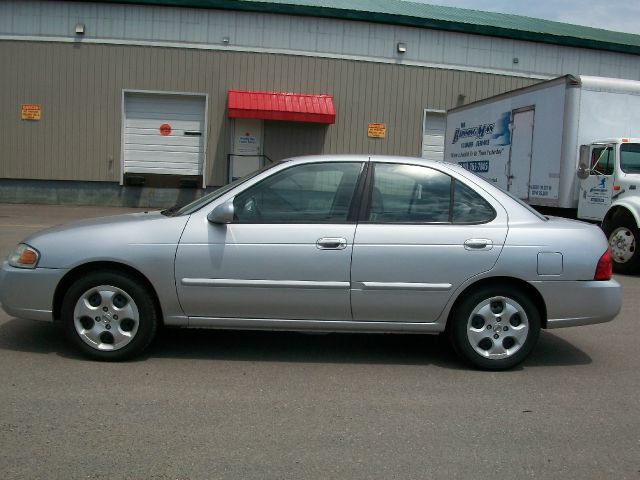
pixel 609 173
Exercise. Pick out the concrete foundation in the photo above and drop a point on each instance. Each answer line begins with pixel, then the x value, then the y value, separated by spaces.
pixel 65 192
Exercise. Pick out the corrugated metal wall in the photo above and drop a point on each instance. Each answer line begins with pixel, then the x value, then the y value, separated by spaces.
pixel 317 37
pixel 79 87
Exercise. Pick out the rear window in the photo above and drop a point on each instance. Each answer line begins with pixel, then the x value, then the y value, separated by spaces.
pixel 527 206
pixel 489 187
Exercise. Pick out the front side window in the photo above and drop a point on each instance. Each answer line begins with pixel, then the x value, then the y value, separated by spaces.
pixel 208 198
pixel 602 161
pixel 630 157
pixel 415 194
pixel 309 193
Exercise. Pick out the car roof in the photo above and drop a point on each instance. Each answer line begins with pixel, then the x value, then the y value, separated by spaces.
pixel 362 158
pixel 517 210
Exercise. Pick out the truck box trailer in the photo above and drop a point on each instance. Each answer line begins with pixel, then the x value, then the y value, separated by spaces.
pixel 566 143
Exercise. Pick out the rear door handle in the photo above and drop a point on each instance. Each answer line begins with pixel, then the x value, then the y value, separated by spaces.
pixel 331 243
pixel 478 244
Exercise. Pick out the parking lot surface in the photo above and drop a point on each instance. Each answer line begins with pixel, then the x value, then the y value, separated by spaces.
pixel 225 404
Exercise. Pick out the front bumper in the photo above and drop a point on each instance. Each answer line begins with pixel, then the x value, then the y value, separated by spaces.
pixel 26 293
pixel 575 303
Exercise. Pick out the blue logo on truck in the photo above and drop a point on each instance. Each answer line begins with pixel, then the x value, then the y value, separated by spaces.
pixel 502 134
pixel 498 132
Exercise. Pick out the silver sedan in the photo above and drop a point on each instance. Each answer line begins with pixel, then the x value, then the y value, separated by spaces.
pixel 330 243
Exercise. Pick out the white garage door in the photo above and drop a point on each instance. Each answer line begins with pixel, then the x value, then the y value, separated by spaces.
pixel 164 134
pixel 433 135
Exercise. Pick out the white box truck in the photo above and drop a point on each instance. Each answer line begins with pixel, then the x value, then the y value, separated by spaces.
pixel 565 146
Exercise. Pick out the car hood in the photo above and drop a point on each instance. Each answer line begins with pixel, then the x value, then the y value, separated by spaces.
pixel 111 238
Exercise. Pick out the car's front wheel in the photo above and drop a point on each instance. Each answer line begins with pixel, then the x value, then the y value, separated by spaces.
pixel 494 328
pixel 109 316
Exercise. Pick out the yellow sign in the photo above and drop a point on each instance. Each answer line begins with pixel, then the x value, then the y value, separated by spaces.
pixel 30 111
pixel 377 130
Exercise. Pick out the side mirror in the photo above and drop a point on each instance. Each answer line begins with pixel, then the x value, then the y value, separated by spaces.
pixel 222 214
pixel 583 165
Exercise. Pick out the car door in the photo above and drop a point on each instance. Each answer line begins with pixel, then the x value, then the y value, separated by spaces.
pixel 595 191
pixel 286 254
pixel 422 235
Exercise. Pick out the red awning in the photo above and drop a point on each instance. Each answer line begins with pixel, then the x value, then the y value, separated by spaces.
pixel 292 107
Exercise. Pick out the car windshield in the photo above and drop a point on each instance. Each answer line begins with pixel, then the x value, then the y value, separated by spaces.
pixel 202 201
pixel 527 206
pixel 478 179
pixel 630 157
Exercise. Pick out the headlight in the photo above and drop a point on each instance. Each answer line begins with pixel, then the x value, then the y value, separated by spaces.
pixel 24 257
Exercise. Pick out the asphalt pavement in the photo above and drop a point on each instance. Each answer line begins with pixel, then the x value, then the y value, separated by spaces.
pixel 204 404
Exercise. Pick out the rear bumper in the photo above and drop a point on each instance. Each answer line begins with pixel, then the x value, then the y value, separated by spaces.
pixel 576 303
pixel 26 293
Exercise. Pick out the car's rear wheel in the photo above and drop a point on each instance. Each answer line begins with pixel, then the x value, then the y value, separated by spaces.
pixel 622 233
pixel 494 327
pixel 109 316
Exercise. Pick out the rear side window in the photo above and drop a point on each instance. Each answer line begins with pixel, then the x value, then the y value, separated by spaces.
pixel 469 207
pixel 409 194
pixel 416 194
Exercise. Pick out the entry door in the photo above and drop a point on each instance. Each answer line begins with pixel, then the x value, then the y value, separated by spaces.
pixel 287 255
pixel 163 134
pixel 596 190
pixel 247 147
pixel 521 152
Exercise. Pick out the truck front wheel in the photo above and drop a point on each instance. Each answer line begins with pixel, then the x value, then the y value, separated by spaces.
pixel 622 232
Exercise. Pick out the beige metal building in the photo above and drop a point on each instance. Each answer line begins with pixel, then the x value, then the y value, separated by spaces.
pixel 132 102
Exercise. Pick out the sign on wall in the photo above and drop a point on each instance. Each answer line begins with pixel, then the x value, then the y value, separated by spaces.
pixel 30 111
pixel 377 130
pixel 246 156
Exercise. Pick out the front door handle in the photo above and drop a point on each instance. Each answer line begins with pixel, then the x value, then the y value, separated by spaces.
pixel 331 243
pixel 478 244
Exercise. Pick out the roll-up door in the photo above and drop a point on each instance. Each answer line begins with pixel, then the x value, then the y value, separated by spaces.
pixel 164 134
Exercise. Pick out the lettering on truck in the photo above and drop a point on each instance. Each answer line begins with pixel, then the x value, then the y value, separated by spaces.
pixel 478 131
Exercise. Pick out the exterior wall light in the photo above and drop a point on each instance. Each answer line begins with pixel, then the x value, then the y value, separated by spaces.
pixel 79 28
pixel 402 47
pixel 515 60
pixel 225 40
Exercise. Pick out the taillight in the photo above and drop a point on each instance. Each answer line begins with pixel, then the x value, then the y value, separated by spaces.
pixel 604 270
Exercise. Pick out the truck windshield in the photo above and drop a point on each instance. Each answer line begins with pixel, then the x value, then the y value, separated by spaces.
pixel 630 157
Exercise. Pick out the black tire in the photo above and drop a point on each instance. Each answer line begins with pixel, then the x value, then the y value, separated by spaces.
pixel 482 304
pixel 118 337
pixel 623 235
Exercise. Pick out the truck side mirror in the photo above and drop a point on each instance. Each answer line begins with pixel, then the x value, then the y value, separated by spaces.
pixel 583 165
pixel 222 214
